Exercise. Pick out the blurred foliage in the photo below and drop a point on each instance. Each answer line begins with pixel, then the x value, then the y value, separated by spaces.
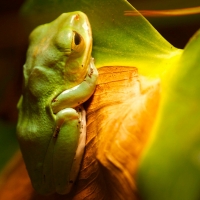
pixel 170 166
pixel 168 5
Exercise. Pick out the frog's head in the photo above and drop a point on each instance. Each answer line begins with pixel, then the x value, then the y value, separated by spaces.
pixel 64 46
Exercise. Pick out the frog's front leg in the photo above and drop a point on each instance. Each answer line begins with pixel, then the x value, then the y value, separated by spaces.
pixel 70 130
pixel 77 95
pixel 69 137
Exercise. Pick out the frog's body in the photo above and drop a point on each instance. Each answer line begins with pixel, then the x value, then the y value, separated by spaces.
pixel 49 131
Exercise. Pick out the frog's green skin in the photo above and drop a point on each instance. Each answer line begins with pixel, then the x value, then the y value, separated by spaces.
pixel 49 129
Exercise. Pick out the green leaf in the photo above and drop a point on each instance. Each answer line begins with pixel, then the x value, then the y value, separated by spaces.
pixel 170 168
pixel 118 39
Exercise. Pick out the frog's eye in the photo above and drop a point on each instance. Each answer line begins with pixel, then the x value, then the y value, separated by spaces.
pixel 77 42
pixel 77 38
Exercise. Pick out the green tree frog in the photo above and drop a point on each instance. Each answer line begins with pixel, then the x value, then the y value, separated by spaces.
pixel 59 75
